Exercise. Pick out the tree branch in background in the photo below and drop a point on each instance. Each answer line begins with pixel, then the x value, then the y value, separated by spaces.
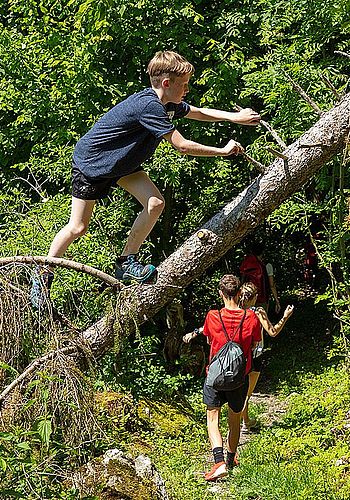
pixel 303 94
pixel 339 52
pixel 331 86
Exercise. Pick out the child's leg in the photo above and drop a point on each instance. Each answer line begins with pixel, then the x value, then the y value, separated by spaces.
pixel 253 379
pixel 213 419
pixel 234 423
pixel 77 226
pixel 142 188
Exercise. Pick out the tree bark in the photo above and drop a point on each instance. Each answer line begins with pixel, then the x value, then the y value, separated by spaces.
pixel 238 218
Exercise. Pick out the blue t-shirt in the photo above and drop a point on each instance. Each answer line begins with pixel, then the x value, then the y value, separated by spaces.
pixel 126 136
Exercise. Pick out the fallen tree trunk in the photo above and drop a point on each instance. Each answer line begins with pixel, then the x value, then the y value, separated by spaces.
pixel 238 218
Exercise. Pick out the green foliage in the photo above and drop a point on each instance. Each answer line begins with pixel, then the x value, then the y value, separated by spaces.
pixel 62 65
pixel 141 368
pixel 26 467
pixel 306 454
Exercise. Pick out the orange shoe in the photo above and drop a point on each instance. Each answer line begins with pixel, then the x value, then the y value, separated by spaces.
pixel 217 471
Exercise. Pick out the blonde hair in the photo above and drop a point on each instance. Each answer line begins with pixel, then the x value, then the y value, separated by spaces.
pixel 248 292
pixel 168 64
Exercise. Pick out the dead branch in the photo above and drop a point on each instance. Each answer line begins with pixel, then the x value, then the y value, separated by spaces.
pixel 269 128
pixel 34 366
pixel 59 262
pixel 303 94
pixel 276 153
pixel 274 134
pixel 256 163
pixel 341 53
pixel 330 86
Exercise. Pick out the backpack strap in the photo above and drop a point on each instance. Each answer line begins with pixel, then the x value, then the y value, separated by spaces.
pixel 238 328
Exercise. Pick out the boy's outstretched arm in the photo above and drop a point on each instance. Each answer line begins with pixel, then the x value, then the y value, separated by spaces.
pixel 192 148
pixel 273 330
pixel 245 116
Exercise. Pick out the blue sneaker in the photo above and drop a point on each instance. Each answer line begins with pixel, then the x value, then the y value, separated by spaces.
pixel 131 269
pixel 41 281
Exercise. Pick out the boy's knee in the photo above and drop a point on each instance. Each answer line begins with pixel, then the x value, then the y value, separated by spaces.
pixel 78 230
pixel 156 205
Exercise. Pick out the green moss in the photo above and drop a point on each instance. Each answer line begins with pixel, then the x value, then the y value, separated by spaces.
pixel 163 417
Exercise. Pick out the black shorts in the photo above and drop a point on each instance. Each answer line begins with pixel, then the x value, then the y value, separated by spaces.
pixel 87 188
pixel 257 363
pixel 235 399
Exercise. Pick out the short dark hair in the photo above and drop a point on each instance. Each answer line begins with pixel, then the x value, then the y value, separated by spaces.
pixel 229 285
pixel 257 248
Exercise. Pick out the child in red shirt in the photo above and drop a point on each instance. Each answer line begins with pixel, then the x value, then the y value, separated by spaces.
pixel 248 337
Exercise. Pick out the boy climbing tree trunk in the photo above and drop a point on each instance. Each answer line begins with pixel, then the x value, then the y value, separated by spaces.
pixel 239 217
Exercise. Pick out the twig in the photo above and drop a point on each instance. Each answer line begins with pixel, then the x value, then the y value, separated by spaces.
pixel 330 86
pixel 345 54
pixel 64 320
pixel 276 153
pixel 341 319
pixel 32 367
pixel 256 163
pixel 268 127
pixel 12 287
pixel 274 134
pixel 314 145
pixel 68 264
pixel 31 185
pixel 303 94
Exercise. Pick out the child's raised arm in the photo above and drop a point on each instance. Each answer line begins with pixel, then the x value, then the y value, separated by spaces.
pixel 273 330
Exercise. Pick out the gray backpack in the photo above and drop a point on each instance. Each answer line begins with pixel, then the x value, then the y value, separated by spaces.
pixel 226 370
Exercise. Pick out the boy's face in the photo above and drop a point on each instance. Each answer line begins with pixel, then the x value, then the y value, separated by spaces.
pixel 175 89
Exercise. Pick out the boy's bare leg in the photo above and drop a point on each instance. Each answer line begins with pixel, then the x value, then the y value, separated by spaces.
pixel 146 192
pixel 234 423
pixel 253 380
pixel 213 417
pixel 77 226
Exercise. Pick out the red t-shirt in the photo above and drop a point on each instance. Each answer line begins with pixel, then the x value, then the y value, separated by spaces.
pixel 250 331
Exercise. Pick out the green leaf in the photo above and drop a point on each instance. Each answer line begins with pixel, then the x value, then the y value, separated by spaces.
pixel 44 431
pixel 5 366
pixel 3 464
pixel 24 445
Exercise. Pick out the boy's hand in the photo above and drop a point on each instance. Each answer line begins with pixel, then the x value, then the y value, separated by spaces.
pixel 188 337
pixel 247 116
pixel 232 148
pixel 288 312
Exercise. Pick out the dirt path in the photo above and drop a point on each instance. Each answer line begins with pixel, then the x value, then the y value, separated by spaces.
pixel 274 410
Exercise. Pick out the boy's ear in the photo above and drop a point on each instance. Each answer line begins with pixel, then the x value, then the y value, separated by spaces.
pixel 166 83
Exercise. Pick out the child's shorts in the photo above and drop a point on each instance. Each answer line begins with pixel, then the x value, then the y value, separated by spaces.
pixel 88 188
pixel 235 399
pixel 257 363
